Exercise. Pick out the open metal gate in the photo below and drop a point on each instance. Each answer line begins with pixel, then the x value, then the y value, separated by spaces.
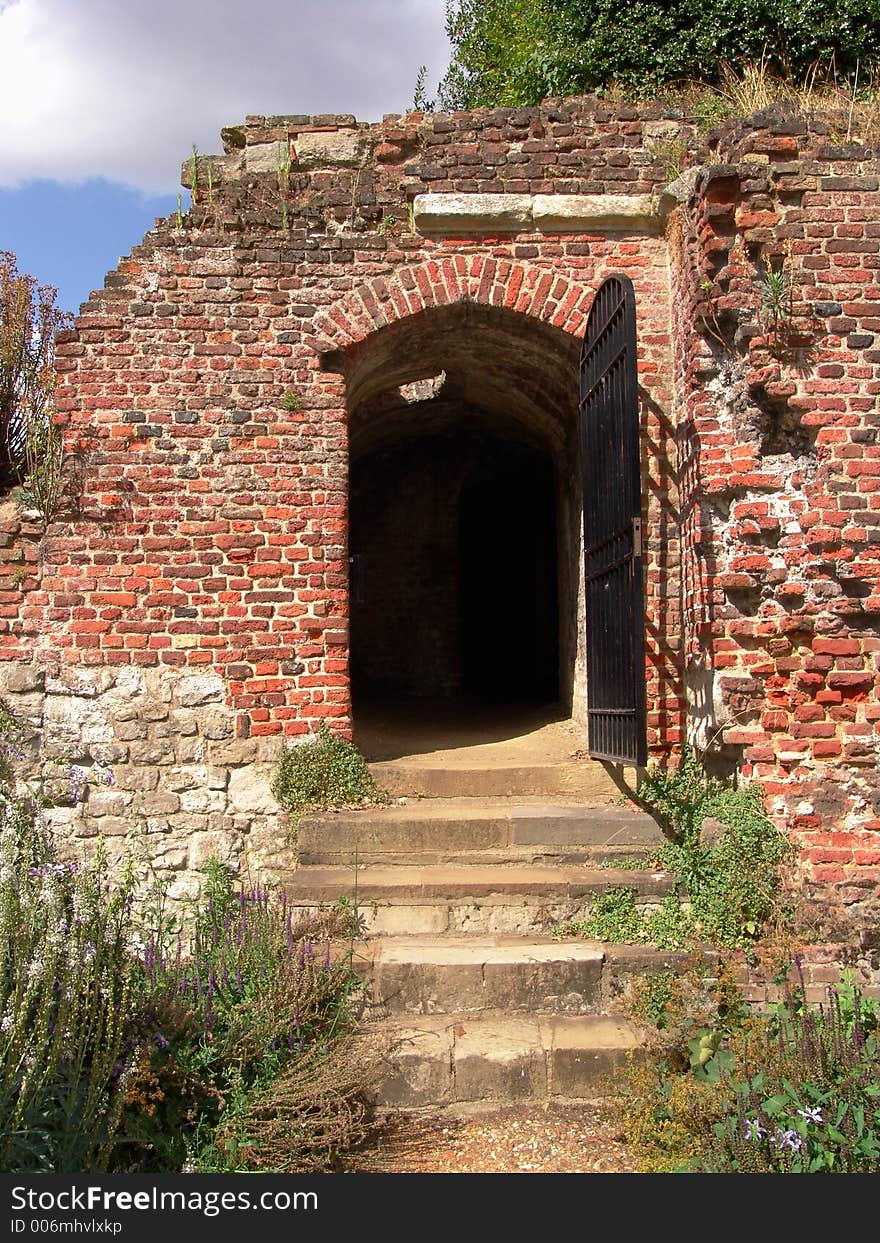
pixel 610 455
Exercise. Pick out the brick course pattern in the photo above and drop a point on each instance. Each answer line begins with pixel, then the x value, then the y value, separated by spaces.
pixel 213 388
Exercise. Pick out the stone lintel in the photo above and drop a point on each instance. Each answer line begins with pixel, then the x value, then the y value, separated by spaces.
pixel 539 213
pixel 472 213
pixel 582 213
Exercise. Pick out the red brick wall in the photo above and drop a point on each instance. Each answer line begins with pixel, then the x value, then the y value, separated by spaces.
pixel 214 387
pixel 778 422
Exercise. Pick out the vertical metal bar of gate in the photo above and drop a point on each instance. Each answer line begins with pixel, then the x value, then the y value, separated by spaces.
pixel 613 572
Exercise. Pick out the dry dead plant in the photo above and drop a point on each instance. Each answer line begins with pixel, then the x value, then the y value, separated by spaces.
pixel 313 1115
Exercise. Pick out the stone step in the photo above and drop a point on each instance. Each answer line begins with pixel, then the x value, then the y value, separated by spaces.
pixel 441 1060
pixel 469 898
pixel 508 974
pixel 443 830
pixel 586 779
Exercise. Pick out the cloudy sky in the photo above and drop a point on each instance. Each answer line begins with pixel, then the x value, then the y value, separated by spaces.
pixel 101 101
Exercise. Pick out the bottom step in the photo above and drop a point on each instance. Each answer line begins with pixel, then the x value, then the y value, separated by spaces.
pixel 445 1059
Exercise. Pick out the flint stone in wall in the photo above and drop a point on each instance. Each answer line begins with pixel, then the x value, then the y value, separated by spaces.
pixel 217 724
pixel 22 679
pixel 241 751
pixel 205 846
pixel 202 801
pixel 263 157
pixel 249 791
pixel 159 803
pixel 108 802
pixel 345 149
pixel 200 688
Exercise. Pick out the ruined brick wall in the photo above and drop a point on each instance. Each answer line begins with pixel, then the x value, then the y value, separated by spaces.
pixel 777 414
pixel 191 610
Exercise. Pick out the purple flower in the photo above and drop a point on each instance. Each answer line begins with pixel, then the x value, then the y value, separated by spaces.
pixel 811 1115
pixel 754 1130
pixel 787 1140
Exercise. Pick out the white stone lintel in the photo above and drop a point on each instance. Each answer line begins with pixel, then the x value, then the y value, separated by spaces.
pixel 472 213
pixel 538 213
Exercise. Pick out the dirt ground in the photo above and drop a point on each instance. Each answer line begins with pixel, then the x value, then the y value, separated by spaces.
pixel 524 1139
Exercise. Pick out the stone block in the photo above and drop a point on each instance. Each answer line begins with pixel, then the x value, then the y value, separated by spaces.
pixel 345 149
pixel 217 725
pixel 503 1061
pixel 202 801
pixel 108 802
pixel 22 679
pixel 583 213
pixel 159 751
pixel 472 213
pixel 248 791
pixel 159 803
pixel 200 688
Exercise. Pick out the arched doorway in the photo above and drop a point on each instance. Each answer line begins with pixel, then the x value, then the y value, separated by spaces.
pixel 465 513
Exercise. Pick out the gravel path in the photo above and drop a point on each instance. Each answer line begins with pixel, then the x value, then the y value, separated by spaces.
pixel 532 1139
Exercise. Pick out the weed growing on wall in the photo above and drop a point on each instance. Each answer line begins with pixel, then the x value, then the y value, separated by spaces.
pixel 325 771
pixel 727 891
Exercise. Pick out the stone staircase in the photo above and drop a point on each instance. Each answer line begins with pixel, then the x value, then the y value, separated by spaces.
pixel 456 885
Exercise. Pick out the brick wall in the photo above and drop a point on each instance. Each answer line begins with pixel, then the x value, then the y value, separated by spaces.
pixel 216 387
pixel 778 420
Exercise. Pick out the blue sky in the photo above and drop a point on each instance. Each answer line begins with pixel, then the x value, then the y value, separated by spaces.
pixel 101 101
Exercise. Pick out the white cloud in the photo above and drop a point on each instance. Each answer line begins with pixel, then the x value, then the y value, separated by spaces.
pixel 122 88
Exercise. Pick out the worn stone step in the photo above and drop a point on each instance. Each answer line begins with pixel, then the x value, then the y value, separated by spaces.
pixel 586 779
pixel 440 830
pixel 479 973
pixel 451 1059
pixel 465 897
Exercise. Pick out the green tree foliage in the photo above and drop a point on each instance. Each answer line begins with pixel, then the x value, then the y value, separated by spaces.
pixel 517 52
pixel 29 320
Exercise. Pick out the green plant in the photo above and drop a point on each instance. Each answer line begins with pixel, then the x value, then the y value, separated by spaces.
pixel 325 771
pixel 66 984
pixel 29 322
pixel 291 400
pixel 776 289
pixel 518 52
pixel 194 174
pixel 733 884
pixel 386 224
pixel 230 1003
pixel 19 575
pixel 179 214
pixel 672 154
pixel 282 169
pixel 805 1091
pixel 613 916
pixel 45 462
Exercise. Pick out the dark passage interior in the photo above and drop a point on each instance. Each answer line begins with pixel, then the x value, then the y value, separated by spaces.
pixel 454 572
pixel 465 515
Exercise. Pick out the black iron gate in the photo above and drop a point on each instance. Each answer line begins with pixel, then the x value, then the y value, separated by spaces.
pixel 613 528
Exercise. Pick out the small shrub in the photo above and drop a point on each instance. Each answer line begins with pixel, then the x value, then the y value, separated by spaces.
pixel 734 885
pixel 805 1092
pixel 229 1004
pixel 613 916
pixel 793 1090
pixel 66 985
pixel 291 401
pixel 326 771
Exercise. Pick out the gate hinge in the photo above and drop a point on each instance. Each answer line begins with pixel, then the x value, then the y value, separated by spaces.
pixel 637 537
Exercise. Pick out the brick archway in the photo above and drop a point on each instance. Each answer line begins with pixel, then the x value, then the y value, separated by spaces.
pixel 523 288
pixel 501 339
